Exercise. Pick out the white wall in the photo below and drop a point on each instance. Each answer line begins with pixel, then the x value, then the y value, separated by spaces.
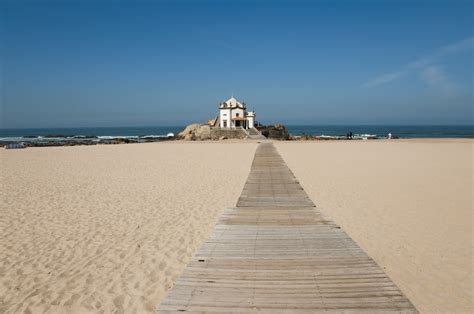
pixel 224 115
pixel 227 115
pixel 250 120
pixel 241 112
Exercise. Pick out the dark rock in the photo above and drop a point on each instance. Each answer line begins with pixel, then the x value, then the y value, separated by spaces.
pixel 85 136
pixel 277 132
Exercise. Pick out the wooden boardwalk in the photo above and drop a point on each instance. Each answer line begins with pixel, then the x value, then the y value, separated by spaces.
pixel 274 253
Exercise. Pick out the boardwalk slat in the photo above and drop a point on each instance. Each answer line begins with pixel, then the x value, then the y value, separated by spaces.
pixel 275 253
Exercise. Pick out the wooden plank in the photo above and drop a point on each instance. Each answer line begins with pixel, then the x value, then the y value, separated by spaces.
pixel 275 253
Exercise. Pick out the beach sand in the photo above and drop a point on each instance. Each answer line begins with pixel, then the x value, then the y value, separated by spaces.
pixel 108 228
pixel 407 203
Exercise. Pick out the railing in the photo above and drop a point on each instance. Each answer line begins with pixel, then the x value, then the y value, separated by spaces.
pixel 245 131
pixel 255 131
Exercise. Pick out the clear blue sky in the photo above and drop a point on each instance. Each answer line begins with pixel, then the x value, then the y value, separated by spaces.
pixel 145 63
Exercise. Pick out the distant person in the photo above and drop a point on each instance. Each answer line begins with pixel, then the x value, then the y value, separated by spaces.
pixel 350 135
pixel 389 136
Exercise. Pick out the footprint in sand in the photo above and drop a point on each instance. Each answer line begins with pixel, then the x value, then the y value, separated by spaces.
pixel 162 265
pixel 72 300
pixel 119 301
pixel 89 280
pixel 98 305
pixel 154 277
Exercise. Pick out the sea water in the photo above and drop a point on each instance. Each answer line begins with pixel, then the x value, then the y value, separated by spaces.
pixel 425 131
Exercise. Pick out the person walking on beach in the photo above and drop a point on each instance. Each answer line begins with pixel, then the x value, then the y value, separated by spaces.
pixel 350 135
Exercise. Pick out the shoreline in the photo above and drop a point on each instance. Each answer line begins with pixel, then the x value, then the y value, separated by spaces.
pixel 121 140
pixel 204 131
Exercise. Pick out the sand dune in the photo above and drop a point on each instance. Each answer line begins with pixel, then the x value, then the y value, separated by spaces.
pixel 408 203
pixel 108 228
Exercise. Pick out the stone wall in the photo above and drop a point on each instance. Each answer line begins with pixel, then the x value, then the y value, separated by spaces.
pixel 202 132
pixel 217 133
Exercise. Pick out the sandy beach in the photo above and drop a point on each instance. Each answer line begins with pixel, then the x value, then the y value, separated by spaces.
pixel 109 228
pixel 407 203
pixel 128 130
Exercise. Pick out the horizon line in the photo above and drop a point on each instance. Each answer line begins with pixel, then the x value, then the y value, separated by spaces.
pixel 288 124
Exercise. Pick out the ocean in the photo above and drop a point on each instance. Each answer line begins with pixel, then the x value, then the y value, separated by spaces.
pixel 432 131
pixel 425 131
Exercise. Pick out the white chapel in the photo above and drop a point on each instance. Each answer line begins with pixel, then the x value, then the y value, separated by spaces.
pixel 233 114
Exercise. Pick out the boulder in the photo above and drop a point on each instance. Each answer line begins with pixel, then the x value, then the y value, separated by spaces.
pixel 203 132
pixel 213 122
pixel 277 132
pixel 190 129
pixel 189 137
pixel 195 132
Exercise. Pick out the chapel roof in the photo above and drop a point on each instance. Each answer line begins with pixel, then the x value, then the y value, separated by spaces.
pixel 232 103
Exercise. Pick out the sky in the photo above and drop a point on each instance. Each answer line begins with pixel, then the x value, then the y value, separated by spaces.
pixel 161 63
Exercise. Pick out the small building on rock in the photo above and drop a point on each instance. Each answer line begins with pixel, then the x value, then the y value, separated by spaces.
pixel 234 114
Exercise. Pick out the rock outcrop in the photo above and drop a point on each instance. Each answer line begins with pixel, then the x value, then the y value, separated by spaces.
pixel 277 132
pixel 203 132
pixel 189 133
